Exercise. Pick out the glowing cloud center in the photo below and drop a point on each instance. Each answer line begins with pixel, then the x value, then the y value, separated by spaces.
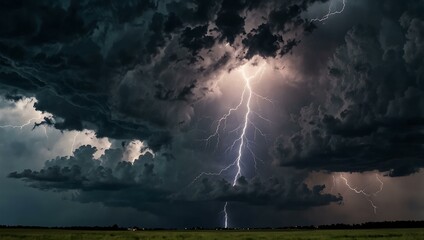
pixel 241 142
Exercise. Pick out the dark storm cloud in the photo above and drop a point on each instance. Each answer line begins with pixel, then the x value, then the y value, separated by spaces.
pixel 228 21
pixel 373 114
pixel 118 67
pixel 110 180
pixel 141 70
pixel 83 172
pixel 271 192
pixel 195 39
pixel 262 42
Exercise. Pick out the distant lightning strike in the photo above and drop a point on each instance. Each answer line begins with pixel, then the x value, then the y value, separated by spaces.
pixel 20 126
pixel 381 185
pixel 330 13
pixel 73 144
pixel 225 215
pixel 26 124
pixel 362 191
pixel 373 205
pixel 358 191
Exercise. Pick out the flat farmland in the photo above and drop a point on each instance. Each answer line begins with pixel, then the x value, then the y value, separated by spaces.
pixel 54 234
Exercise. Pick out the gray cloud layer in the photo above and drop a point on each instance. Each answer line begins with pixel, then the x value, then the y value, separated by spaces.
pixel 373 112
pixel 130 69
pixel 118 183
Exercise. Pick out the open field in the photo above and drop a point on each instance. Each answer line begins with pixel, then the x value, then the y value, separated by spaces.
pixel 45 234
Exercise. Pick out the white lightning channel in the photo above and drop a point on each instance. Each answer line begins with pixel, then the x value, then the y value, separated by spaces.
pixel 222 122
pixel 241 142
pixel 243 133
pixel 362 191
pixel 381 185
pixel 22 125
pixel 330 13
pixel 26 124
pixel 373 205
pixel 225 215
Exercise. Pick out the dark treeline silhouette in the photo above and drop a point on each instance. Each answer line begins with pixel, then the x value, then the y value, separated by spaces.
pixel 99 228
pixel 367 225
pixel 374 225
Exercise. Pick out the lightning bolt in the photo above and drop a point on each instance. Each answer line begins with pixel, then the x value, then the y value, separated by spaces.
pixel 225 215
pixel 222 122
pixel 73 143
pixel 373 205
pixel 26 124
pixel 362 191
pixel 246 122
pixel 241 141
pixel 381 185
pixel 41 117
pixel 330 13
pixel 20 126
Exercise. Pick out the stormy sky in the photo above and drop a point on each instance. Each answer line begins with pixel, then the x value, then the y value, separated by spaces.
pixel 158 113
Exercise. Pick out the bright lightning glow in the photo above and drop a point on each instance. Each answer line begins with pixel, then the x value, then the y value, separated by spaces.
pixel 330 13
pixel 354 189
pixel 362 191
pixel 76 139
pixel 222 122
pixel 73 144
pixel 246 122
pixel 25 110
pixel 22 116
pixel 225 215
pixel 135 149
pixel 241 141
pixel 26 124
pixel 22 125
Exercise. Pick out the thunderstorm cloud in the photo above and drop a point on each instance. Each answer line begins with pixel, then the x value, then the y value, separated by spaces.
pixel 118 98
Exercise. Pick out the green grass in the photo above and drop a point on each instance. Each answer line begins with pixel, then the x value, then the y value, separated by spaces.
pixel 44 234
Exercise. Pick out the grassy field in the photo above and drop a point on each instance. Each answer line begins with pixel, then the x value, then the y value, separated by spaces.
pixel 43 234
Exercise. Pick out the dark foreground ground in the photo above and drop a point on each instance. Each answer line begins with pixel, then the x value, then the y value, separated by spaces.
pixel 46 234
